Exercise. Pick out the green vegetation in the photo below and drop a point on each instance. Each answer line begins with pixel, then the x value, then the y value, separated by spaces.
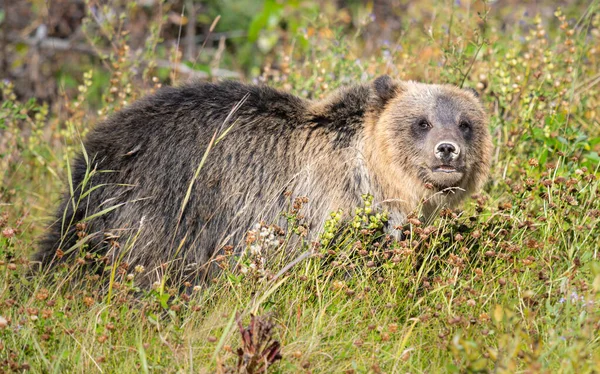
pixel 510 282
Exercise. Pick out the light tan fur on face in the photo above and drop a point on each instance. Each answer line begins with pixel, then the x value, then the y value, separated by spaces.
pixel 394 169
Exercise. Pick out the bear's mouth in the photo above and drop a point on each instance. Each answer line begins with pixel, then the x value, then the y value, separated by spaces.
pixel 443 176
pixel 444 169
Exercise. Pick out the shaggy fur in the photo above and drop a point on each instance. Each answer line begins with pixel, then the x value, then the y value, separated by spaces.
pixel 367 138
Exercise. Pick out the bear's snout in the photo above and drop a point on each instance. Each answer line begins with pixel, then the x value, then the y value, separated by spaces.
pixel 446 151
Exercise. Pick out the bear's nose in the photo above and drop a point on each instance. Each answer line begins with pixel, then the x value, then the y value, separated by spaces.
pixel 447 151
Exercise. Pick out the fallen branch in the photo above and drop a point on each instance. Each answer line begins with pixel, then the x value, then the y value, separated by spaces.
pixel 57 44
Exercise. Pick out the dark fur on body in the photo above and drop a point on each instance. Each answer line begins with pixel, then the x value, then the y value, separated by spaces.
pixel 356 141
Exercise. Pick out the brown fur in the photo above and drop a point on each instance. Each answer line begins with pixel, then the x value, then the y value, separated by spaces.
pixel 391 164
pixel 360 139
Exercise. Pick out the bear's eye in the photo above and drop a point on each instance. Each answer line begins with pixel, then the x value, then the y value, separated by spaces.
pixel 423 124
pixel 464 126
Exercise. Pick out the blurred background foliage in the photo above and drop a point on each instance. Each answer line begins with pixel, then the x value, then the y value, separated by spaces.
pixel 47 45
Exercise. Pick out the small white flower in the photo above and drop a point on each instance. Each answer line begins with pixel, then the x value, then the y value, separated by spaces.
pixel 255 249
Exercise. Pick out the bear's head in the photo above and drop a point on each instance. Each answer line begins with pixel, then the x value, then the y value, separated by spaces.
pixel 436 136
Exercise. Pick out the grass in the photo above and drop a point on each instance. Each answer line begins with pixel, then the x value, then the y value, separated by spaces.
pixel 510 282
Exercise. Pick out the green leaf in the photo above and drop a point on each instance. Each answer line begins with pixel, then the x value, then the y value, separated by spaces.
pixel 199 67
pixel 592 156
pixel 257 24
pixel 270 16
pixel 164 300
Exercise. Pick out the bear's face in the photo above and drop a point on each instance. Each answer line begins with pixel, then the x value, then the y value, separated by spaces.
pixel 437 133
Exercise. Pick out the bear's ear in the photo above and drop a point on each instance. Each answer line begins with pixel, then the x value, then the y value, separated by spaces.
pixel 386 88
pixel 473 91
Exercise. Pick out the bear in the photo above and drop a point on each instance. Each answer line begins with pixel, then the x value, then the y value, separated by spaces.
pixel 179 174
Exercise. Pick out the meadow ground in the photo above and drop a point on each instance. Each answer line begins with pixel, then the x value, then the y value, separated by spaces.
pixel 510 282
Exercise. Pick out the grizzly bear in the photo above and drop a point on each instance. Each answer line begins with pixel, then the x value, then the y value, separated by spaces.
pixel 181 173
